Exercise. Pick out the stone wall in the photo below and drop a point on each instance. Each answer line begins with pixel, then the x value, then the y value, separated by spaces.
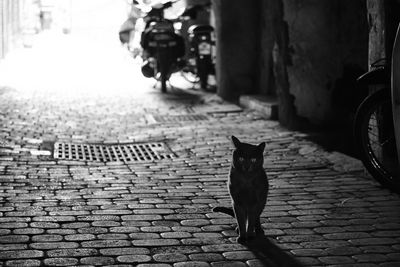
pixel 307 52
pixel 383 18
pixel 237 31
pixel 327 48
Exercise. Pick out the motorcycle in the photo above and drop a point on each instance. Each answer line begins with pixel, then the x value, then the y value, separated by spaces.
pixel 163 47
pixel 374 129
pixel 201 56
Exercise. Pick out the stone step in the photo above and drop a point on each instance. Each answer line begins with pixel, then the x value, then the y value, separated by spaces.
pixel 266 105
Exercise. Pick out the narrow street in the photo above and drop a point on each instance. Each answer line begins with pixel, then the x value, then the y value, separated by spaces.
pixel 98 168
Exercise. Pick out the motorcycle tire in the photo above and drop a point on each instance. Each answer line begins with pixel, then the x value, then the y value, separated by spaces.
pixel 164 79
pixel 164 64
pixel 375 140
pixel 203 67
pixel 203 80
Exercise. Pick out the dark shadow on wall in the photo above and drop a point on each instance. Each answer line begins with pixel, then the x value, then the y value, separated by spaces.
pixel 347 95
pixel 270 254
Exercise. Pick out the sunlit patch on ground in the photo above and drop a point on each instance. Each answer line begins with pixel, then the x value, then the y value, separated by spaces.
pixel 90 60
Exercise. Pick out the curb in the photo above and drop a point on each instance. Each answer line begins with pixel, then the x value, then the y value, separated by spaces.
pixel 266 105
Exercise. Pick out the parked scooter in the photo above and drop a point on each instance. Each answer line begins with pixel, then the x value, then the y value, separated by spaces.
pixel 163 47
pixel 200 61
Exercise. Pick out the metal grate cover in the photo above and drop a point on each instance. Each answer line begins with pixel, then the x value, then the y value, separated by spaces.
pixel 179 118
pixel 112 152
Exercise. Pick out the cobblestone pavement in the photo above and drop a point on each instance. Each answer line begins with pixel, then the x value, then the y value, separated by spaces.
pixel 56 212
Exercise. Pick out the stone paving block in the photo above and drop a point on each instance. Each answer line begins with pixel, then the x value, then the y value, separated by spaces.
pixel 347 235
pixel 105 243
pixel 394 256
pixel 53 245
pixel 373 241
pixel 239 255
pixel 44 225
pixel 177 235
pixel 169 257
pixel 205 241
pixel 61 262
pixel 61 231
pixel 373 257
pixel 92 230
pixel 77 252
pixel 356 265
pixel 255 263
pixel 209 257
pixel 113 236
pixel 14 239
pixel 309 261
pixel 155 242
pixel 222 248
pixel 20 254
pixel 228 264
pixel 6 247
pixel 309 252
pixel 340 251
pixel 336 260
pixel 23 263
pixel 47 238
pixel 192 264
pixel 13 225
pixel 390 264
pixel 144 235
pixel 136 258
pixel 97 261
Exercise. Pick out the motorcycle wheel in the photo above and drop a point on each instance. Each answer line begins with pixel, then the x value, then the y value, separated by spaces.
pixel 375 140
pixel 203 74
pixel 203 69
pixel 164 63
pixel 164 79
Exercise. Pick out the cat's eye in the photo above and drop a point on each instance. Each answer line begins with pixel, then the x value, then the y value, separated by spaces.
pixel 241 159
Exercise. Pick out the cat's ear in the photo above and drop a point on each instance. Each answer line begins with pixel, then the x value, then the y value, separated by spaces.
pixel 235 141
pixel 261 146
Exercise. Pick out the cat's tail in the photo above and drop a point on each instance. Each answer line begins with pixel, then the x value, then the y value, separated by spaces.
pixel 225 210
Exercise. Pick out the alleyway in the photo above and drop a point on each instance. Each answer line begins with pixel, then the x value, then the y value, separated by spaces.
pixel 110 207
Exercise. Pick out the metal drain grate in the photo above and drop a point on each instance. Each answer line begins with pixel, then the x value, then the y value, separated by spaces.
pixel 112 152
pixel 179 118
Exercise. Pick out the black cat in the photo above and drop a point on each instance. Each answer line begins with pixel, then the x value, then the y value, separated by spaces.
pixel 248 187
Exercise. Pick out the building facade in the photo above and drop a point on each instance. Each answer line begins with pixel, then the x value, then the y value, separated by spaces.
pixel 18 19
pixel 308 53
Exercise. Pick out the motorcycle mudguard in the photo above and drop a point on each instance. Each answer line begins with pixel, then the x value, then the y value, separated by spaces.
pixel 395 90
pixel 200 29
pixel 147 69
pixel 374 77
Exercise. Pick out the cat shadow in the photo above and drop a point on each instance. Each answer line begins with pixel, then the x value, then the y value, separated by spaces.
pixel 270 254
